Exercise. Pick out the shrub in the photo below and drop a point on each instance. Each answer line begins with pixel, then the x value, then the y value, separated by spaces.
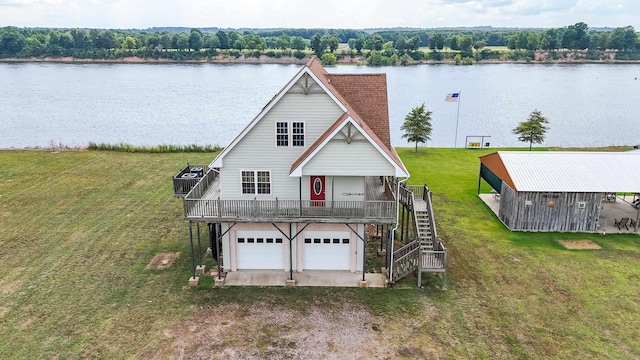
pixel 435 55
pixel 122 147
pixel 328 59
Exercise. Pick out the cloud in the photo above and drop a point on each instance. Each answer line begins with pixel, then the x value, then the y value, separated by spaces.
pixel 356 14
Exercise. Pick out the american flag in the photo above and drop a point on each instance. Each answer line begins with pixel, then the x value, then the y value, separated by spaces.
pixel 453 97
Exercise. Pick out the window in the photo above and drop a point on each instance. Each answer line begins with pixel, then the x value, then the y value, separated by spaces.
pixel 298 134
pixel 264 182
pixel 256 182
pixel 248 182
pixel 282 134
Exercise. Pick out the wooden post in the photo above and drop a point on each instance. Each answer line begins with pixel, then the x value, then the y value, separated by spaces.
pixel 402 225
pixel 199 245
pixel 218 236
pixel 193 261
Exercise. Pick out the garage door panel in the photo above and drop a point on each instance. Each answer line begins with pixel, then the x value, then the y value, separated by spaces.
pixel 258 250
pixel 326 250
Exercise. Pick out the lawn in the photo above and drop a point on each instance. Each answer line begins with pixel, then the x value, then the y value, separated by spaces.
pixel 77 229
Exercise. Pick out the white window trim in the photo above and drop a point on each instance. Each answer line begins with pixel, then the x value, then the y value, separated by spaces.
pixel 304 134
pixel 290 134
pixel 255 182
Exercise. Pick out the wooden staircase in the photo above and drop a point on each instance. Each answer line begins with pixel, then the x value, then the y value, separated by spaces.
pixel 423 228
pixel 426 253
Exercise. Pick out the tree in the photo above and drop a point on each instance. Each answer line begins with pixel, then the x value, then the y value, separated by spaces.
pixel 359 44
pixel 417 125
pixel 224 40
pixel 283 42
pixel 479 44
pixel 195 40
pixel 400 44
pixel 254 42
pixel 623 39
pixel 298 43
pixel 533 130
pixel 330 42
pixel 11 41
pixel 374 42
pixel 182 41
pixel 436 41
pixel 316 44
pixel 129 43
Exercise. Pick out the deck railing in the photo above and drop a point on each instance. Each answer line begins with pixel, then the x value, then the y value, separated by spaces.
pixel 201 187
pixel 418 191
pixel 405 260
pixel 375 211
pixel 434 260
pixel 182 185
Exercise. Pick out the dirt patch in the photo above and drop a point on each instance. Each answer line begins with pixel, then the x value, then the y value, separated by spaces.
pixel 162 260
pixel 268 331
pixel 12 282
pixel 579 244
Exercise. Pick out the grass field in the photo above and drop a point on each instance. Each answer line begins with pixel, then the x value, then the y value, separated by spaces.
pixel 77 229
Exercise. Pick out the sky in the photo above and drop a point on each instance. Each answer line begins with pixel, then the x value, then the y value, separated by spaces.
pixel 352 14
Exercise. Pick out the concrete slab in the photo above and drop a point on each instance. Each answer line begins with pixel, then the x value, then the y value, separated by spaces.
pixel 304 278
pixel 256 278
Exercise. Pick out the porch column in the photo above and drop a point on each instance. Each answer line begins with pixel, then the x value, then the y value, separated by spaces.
pixel 194 280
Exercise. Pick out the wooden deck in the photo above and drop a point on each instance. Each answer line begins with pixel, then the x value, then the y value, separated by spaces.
pixel 204 203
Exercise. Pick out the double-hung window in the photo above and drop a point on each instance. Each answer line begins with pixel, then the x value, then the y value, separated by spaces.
pixel 282 133
pixel 298 134
pixel 290 134
pixel 256 182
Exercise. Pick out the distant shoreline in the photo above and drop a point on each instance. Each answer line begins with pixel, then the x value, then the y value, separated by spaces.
pixel 263 59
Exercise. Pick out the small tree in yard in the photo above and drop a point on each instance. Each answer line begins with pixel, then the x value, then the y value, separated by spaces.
pixel 533 130
pixel 417 125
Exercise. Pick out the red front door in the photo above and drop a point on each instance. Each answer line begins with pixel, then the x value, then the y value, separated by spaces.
pixel 317 190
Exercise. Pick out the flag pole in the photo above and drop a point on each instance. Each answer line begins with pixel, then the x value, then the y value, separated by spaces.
pixel 455 140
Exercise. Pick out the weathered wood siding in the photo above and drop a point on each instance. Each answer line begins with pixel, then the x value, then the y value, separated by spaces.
pixel 549 211
pixel 258 150
pixel 347 159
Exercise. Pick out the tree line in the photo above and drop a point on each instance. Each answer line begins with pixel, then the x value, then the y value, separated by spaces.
pixel 384 47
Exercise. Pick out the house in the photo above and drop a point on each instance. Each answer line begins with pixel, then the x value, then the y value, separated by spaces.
pixel 294 191
pixel 561 190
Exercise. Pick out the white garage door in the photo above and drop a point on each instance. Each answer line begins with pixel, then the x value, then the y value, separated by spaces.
pixel 259 250
pixel 326 250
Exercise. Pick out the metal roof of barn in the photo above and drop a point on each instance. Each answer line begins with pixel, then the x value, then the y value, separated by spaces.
pixel 564 171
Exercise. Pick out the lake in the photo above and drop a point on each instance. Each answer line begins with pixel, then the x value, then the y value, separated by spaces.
pixel 151 104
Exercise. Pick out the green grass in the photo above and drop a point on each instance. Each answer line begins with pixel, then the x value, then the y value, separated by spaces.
pixel 78 227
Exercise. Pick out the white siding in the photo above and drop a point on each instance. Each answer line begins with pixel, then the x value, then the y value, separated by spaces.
pixel 349 188
pixel 337 188
pixel 258 151
pixel 339 158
